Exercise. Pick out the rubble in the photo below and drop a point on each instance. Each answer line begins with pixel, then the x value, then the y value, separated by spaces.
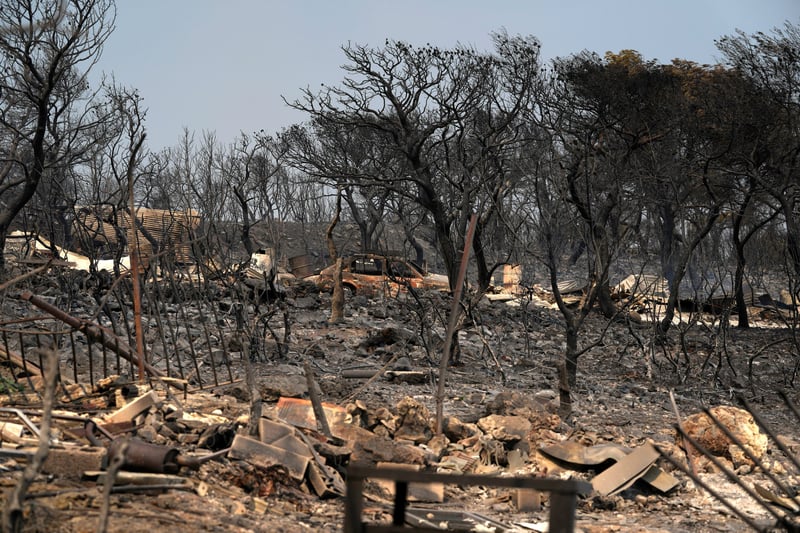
pixel 413 422
pixel 289 450
pixel 618 467
pixel 213 467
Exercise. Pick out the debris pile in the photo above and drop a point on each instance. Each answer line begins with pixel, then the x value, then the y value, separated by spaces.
pixel 135 439
pixel 191 444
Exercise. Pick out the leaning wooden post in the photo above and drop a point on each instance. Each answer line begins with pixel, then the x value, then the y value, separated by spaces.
pixel 451 325
pixel 137 309
pixel 337 297
pixel 134 250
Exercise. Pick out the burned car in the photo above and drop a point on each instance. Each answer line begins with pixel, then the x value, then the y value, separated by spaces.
pixel 372 274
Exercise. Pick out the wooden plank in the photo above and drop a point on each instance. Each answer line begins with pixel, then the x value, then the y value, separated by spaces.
pixel 265 455
pixel 133 409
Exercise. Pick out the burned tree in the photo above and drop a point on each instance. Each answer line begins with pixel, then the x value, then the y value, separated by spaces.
pixel 450 121
pixel 338 157
pixel 250 169
pixel 770 152
pixel 46 48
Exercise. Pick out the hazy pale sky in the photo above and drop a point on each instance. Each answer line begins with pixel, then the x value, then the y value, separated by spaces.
pixel 222 65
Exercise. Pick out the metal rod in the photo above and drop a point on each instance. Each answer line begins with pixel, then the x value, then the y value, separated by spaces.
pixel 75 357
pixel 90 330
pixel 226 360
pixel 749 521
pixel 105 353
pixel 730 475
pixel 792 407
pixel 192 351
pixel 760 421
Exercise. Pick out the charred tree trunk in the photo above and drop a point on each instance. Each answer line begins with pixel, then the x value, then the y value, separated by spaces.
pixel 738 278
pixel 602 257
pixel 680 272
pixel 329 231
pixel 484 274
pixel 739 242
pixel 792 231
pixel 337 300
pixel 567 365
pixel 741 303
pixel 596 221
pixel 419 251
pixel 247 239
pixel 408 231
pixel 667 242
pixel 364 230
pixel 568 370
pixel 442 225
pixel 18 201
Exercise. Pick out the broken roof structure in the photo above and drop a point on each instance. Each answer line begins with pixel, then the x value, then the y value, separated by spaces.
pixel 155 230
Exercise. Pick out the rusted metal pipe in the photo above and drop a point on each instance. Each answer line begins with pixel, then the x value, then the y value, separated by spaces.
pixel 195 462
pixel 141 456
pixel 451 325
pixel 88 430
pixel 93 331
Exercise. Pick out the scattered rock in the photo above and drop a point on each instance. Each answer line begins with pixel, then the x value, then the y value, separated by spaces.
pixel 385 337
pixel 306 302
pixel 402 364
pixel 514 403
pixel 739 422
pixel 281 385
pixel 413 421
pixel 505 428
pixel 456 430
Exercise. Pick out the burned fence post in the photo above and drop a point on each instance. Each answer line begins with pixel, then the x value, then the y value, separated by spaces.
pixel 451 325
pixel 563 499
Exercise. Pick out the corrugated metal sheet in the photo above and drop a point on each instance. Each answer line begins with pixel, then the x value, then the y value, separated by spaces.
pixel 653 287
pixel 170 231
pixel 709 291
pixel 570 286
pixel 717 293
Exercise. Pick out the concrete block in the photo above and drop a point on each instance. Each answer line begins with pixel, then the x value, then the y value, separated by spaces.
pixel 71 463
